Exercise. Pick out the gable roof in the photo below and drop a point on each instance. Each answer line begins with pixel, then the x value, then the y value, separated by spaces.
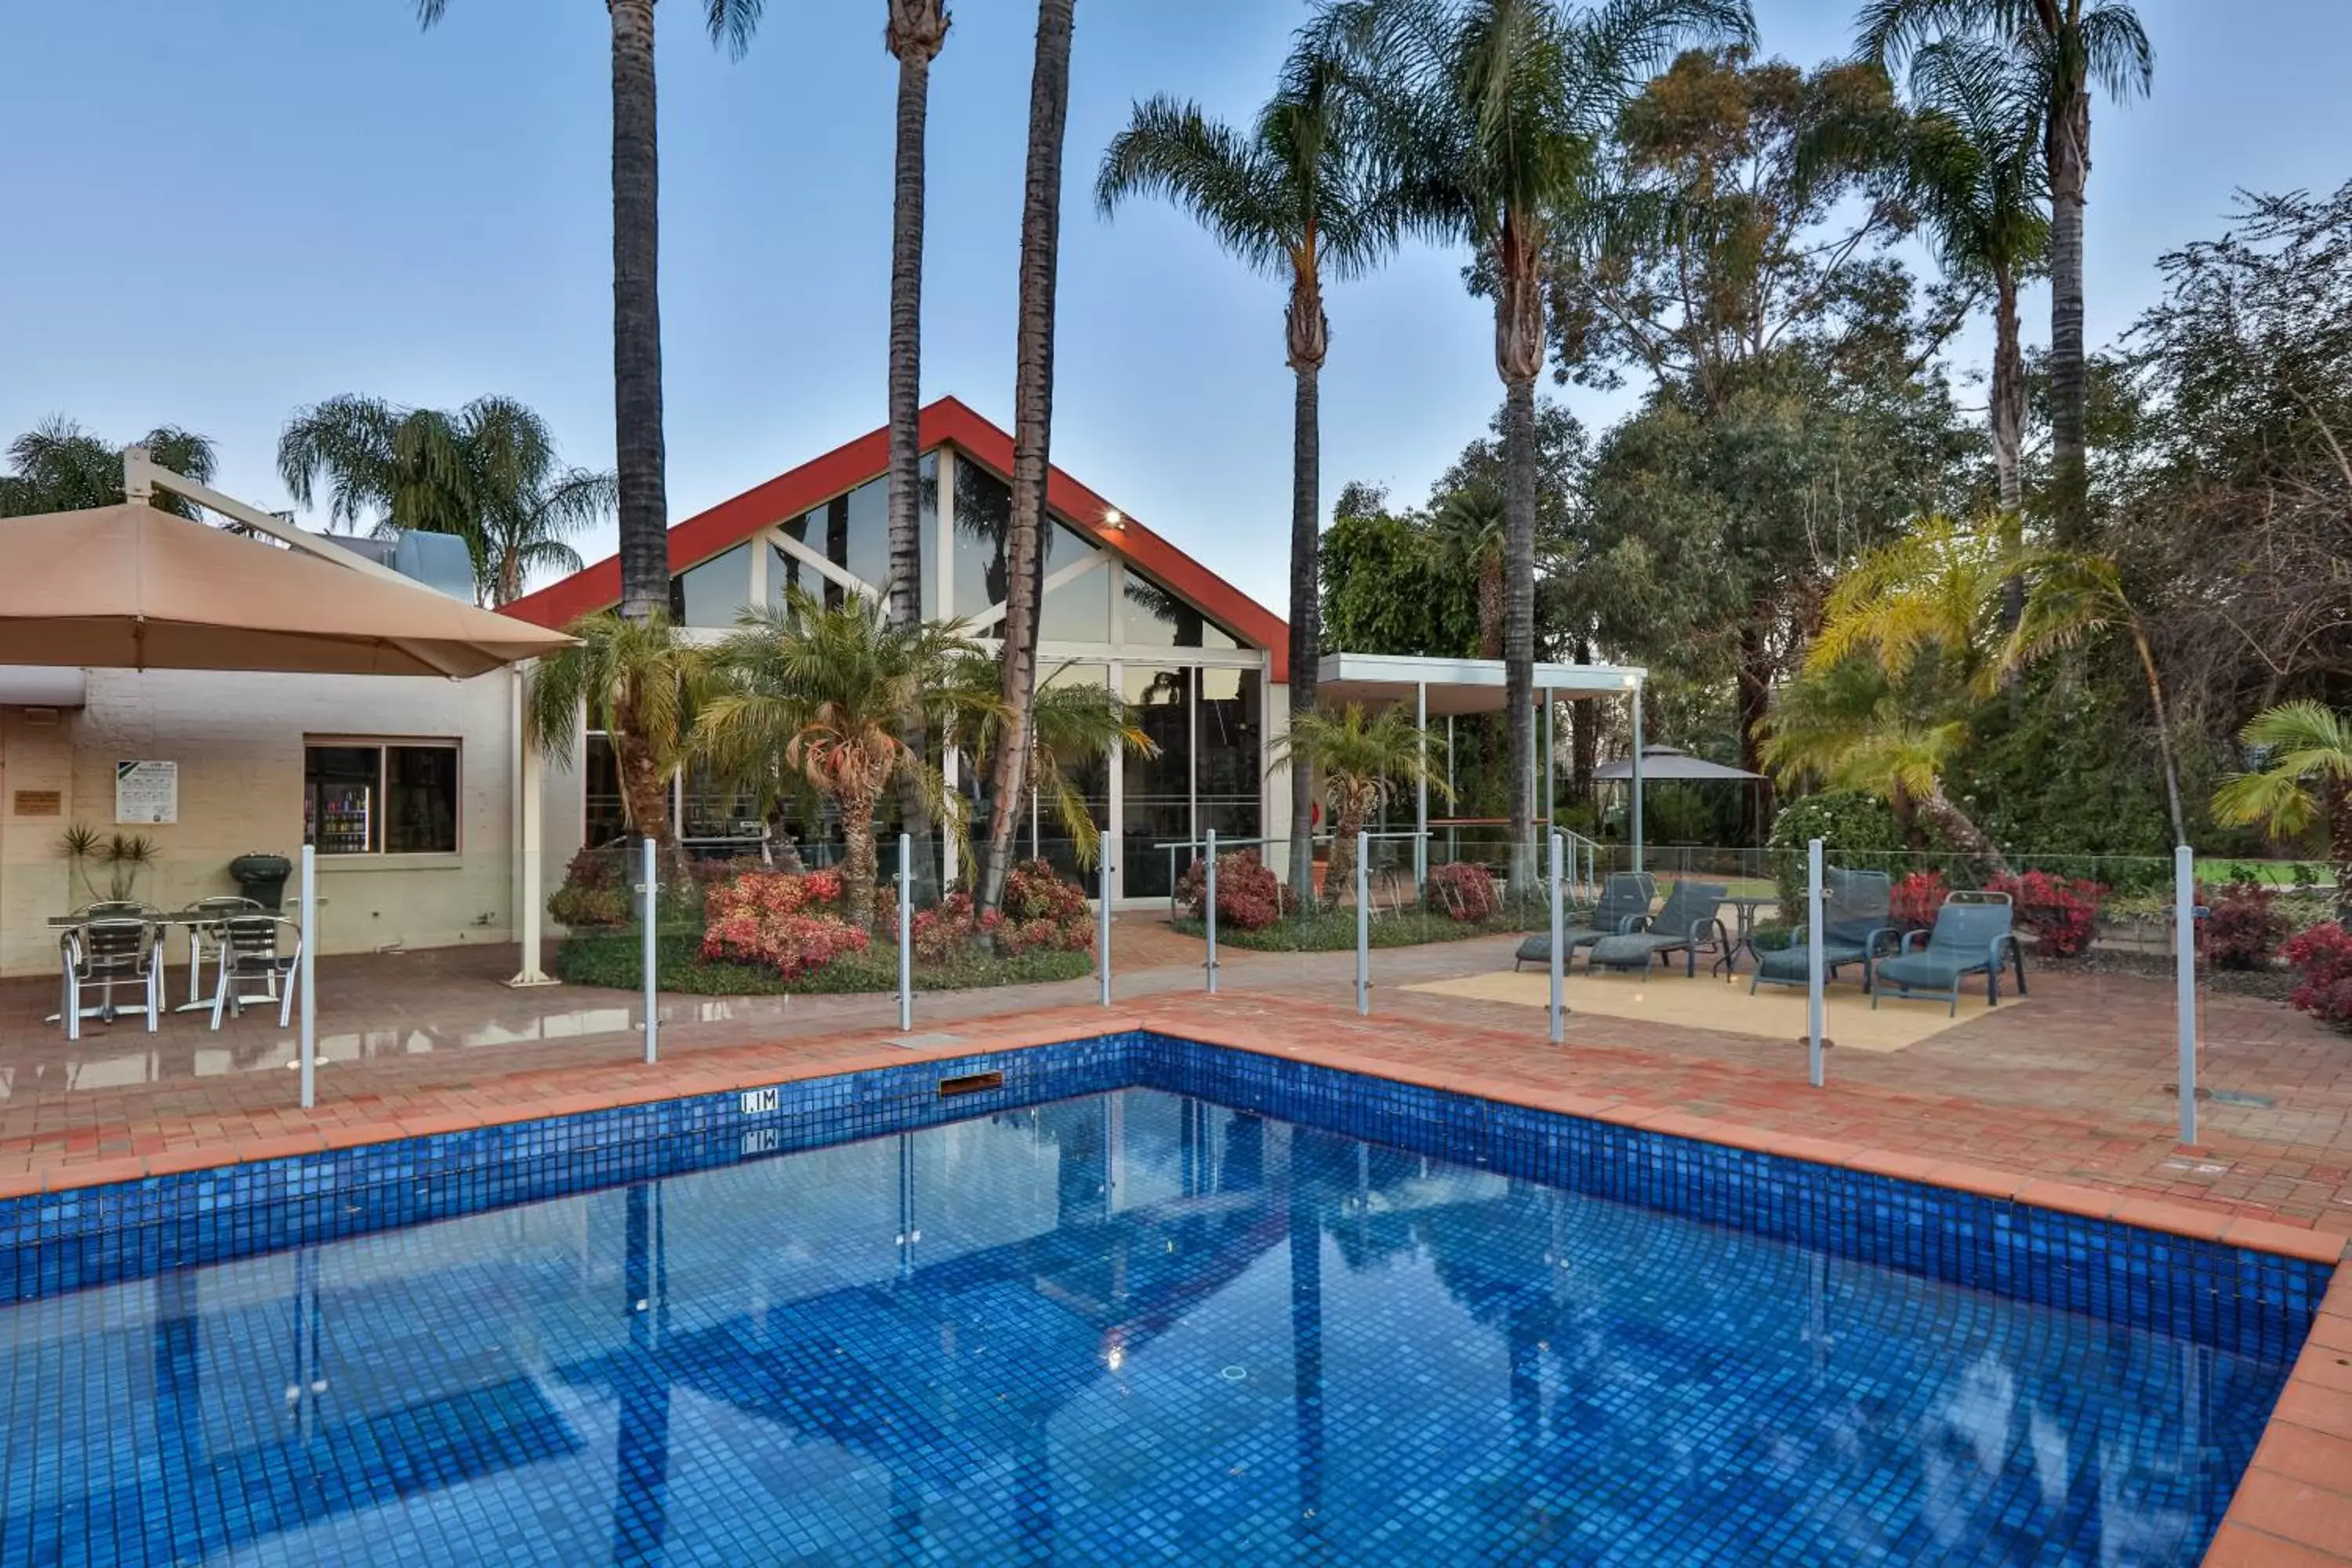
pixel 944 422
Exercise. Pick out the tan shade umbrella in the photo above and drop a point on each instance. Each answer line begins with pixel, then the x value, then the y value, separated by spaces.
pixel 132 587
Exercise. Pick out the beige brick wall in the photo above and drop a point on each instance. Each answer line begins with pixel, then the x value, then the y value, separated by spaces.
pixel 238 739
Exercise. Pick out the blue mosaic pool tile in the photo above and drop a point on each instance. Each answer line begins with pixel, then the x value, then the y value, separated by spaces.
pixel 2213 1294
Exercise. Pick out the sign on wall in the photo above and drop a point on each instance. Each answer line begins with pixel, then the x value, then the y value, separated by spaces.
pixel 146 791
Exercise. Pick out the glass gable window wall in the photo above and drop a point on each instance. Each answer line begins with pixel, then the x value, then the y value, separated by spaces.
pixel 1183 675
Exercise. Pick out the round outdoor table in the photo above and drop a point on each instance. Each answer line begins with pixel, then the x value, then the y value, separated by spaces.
pixel 1743 933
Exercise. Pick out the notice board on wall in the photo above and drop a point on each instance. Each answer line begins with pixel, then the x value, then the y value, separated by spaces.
pixel 146 792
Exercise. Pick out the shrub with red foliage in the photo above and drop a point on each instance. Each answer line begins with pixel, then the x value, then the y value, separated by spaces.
pixel 780 920
pixel 950 927
pixel 1464 892
pixel 2324 954
pixel 1044 912
pixel 2242 926
pixel 2062 913
pixel 1912 903
pixel 1249 896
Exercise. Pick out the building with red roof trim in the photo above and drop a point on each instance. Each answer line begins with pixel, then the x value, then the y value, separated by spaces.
pixel 1204 666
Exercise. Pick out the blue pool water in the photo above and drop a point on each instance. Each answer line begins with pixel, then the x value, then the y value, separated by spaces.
pixel 1130 1327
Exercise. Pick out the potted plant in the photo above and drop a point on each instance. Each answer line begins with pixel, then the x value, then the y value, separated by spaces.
pixel 123 856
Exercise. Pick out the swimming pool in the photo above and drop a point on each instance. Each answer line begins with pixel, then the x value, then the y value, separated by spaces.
pixel 1131 1299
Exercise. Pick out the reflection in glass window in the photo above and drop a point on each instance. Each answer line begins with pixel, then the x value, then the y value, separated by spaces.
pixel 853 532
pixel 603 817
pixel 1151 616
pixel 1078 611
pixel 1157 804
pixel 1049 839
pixel 1231 726
pixel 714 593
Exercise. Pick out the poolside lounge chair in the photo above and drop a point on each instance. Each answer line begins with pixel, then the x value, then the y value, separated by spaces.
pixel 1625 899
pixel 1855 929
pixel 1974 933
pixel 1687 923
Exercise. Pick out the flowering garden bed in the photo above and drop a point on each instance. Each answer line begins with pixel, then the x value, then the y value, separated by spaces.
pixel 765 932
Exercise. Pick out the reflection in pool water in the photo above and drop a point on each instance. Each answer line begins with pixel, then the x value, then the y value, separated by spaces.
pixel 1127 1329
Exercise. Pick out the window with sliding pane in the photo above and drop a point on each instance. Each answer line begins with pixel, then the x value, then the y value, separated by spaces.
pixel 1227 770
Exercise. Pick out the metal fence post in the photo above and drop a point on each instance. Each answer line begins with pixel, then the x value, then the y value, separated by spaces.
pixel 2184 980
pixel 1559 935
pixel 1209 908
pixel 307 1041
pixel 906 932
pixel 1363 924
pixel 651 952
pixel 1102 921
pixel 1813 962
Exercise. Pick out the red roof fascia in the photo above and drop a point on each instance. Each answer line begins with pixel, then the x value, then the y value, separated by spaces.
pixel 945 422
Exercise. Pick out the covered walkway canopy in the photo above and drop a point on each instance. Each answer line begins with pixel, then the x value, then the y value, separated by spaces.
pixel 1448 687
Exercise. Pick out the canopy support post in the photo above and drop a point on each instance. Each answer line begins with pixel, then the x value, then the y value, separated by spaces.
pixel 1421 791
pixel 529 792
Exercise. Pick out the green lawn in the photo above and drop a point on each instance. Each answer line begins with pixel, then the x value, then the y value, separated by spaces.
pixel 2277 873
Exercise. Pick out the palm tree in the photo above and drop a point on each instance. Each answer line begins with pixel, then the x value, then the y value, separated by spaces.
pixel 2071 44
pixel 637 285
pixel 2306 777
pixel 827 693
pixel 60 467
pixel 1033 421
pixel 1493 117
pixel 1360 759
pixel 2069 596
pixel 1072 726
pixel 1977 178
pixel 1472 539
pixel 638 681
pixel 915 31
pixel 1854 728
pixel 1294 198
pixel 1948 590
pixel 488 473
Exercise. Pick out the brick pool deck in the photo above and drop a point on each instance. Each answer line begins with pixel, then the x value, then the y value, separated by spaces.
pixel 2061 1102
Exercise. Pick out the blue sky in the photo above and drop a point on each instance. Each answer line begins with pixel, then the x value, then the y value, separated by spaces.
pixel 227 208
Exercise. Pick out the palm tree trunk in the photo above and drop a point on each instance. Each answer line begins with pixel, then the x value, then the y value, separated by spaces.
pixel 1033 417
pixel 1492 608
pixel 643 791
pixel 636 315
pixel 1934 809
pixel 2069 147
pixel 2006 415
pixel 1518 357
pixel 2163 734
pixel 1309 337
pixel 857 858
pixel 917 30
pixel 2338 795
pixel 1339 874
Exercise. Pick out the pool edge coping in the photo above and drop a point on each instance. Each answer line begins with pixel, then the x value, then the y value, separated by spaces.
pixel 2294 1505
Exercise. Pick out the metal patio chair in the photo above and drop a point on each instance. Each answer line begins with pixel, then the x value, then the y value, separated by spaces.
pixel 1856 928
pixel 106 952
pixel 1625 899
pixel 205 940
pixel 264 950
pixel 1974 933
pixel 1688 924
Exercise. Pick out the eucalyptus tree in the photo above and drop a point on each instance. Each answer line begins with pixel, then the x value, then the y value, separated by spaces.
pixel 488 473
pixel 1493 117
pixel 1298 196
pixel 60 467
pixel 1033 421
pixel 2071 45
pixel 636 286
